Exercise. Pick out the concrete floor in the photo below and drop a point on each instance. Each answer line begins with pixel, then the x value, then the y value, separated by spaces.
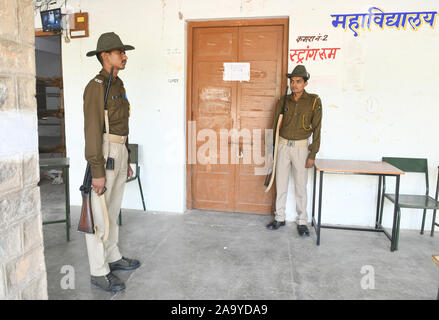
pixel 214 255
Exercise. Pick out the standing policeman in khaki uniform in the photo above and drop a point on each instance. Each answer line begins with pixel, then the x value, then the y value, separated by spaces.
pixel 103 254
pixel 302 118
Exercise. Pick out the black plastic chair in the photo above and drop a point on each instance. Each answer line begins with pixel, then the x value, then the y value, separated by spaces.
pixel 134 158
pixel 413 201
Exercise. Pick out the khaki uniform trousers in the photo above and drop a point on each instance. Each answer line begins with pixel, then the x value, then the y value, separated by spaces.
pixel 100 252
pixel 295 157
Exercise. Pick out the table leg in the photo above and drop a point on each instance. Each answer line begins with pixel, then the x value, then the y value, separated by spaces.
pixel 320 207
pixel 378 202
pixel 313 196
pixel 395 215
pixel 67 205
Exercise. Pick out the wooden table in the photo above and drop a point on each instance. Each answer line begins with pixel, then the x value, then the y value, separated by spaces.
pixel 356 167
pixel 436 260
pixel 60 163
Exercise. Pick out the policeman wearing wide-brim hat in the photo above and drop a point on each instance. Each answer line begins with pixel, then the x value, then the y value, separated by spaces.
pixel 107 42
pixel 302 119
pixel 106 136
pixel 299 71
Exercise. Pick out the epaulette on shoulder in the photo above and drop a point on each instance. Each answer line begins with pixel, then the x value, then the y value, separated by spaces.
pixel 99 79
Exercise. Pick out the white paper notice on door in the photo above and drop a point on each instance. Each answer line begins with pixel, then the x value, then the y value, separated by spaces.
pixel 236 71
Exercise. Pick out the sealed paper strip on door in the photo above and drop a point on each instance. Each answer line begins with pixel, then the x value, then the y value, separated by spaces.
pixel 236 71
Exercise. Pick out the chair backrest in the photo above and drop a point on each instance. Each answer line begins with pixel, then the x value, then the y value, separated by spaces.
pixel 418 165
pixel 134 154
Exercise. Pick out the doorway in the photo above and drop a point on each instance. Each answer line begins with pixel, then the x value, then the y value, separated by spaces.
pixel 216 105
pixel 49 89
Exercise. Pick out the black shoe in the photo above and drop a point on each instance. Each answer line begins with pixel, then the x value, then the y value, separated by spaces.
pixel 303 230
pixel 109 282
pixel 124 264
pixel 274 225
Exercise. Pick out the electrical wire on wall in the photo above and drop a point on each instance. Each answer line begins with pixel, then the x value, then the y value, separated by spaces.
pixel 66 24
pixel 43 5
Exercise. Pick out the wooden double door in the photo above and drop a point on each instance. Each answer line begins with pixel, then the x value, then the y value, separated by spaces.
pixel 218 107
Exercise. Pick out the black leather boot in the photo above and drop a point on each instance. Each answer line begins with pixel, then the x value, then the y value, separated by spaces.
pixel 109 282
pixel 274 225
pixel 124 264
pixel 303 230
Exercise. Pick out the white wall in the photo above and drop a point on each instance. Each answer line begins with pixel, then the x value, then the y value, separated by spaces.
pixel 379 94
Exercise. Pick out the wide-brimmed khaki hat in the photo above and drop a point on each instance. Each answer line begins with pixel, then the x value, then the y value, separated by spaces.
pixel 299 71
pixel 109 41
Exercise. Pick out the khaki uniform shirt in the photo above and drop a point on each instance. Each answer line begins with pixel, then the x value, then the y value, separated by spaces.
pixel 301 120
pixel 94 118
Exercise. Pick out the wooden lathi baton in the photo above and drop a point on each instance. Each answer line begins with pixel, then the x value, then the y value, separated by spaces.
pixel 269 179
pixel 105 213
pixel 109 161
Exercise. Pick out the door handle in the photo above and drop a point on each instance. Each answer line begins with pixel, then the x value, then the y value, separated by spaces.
pixel 240 155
